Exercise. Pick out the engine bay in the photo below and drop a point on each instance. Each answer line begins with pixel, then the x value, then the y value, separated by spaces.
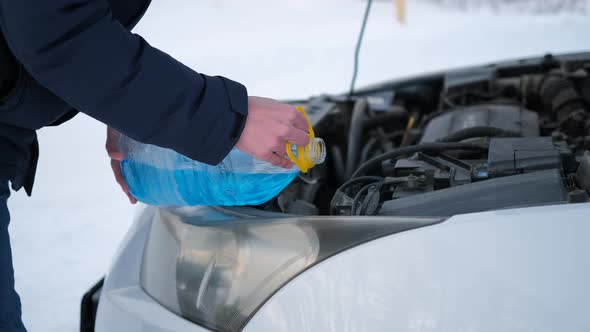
pixel 509 135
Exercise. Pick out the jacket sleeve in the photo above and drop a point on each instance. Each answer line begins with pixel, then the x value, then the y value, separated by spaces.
pixel 77 51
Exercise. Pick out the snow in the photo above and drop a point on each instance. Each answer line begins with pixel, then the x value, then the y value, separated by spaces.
pixel 537 6
pixel 64 236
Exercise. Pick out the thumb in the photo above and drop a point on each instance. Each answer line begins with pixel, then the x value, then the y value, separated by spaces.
pixel 115 154
pixel 111 144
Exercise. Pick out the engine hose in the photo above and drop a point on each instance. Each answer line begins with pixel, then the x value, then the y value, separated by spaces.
pixel 474 132
pixel 355 135
pixel 425 147
pixel 368 147
pixel 373 141
pixel 557 96
pixel 338 162
pixel 397 113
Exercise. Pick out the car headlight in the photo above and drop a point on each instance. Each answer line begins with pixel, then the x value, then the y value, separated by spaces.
pixel 218 275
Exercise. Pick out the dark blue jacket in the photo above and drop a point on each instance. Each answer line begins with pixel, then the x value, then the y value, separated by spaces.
pixel 78 55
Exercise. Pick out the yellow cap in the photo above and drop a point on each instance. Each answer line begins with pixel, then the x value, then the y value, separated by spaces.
pixel 303 159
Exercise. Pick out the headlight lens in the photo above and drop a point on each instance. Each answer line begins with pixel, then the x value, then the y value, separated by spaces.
pixel 218 275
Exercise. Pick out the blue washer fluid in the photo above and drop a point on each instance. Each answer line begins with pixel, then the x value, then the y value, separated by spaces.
pixel 163 177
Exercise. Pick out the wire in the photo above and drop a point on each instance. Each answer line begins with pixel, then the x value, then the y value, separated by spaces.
pixel 358 47
pixel 356 199
pixel 342 188
pixel 360 179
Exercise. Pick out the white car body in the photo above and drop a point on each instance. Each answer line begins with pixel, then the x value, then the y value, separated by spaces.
pixel 510 270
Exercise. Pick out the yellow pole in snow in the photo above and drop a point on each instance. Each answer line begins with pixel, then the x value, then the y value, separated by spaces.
pixel 400 9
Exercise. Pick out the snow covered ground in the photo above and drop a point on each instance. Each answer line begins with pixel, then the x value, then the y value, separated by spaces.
pixel 64 236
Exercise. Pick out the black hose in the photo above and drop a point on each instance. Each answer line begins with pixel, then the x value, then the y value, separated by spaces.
pixel 557 96
pixel 338 163
pixel 426 147
pixel 373 141
pixel 474 132
pixel 368 147
pixel 355 135
pixel 395 114
pixel 357 197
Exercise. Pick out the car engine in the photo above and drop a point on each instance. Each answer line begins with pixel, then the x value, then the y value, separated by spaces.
pixel 487 138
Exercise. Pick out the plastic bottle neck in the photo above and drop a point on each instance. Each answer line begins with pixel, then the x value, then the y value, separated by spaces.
pixel 317 151
pixel 312 154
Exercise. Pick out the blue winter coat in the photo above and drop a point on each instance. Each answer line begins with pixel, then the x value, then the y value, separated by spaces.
pixel 79 55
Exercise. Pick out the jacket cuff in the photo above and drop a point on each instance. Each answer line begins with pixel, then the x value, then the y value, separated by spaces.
pixel 228 128
pixel 238 100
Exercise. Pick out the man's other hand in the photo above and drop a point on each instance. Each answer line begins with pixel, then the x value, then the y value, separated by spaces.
pixel 270 124
pixel 116 158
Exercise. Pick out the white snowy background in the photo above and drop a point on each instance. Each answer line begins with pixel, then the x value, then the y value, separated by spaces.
pixel 64 236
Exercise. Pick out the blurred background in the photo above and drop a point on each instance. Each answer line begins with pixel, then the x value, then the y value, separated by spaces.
pixel 538 6
pixel 65 235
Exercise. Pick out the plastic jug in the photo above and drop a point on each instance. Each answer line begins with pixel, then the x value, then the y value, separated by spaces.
pixel 160 176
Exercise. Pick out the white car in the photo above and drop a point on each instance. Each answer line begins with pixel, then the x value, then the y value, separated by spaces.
pixel 456 201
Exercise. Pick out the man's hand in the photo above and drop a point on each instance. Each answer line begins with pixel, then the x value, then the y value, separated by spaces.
pixel 116 157
pixel 269 126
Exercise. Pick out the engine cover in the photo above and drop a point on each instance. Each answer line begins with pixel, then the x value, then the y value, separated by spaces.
pixel 510 118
